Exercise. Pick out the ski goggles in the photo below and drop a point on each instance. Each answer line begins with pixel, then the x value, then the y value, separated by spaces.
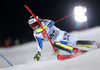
pixel 34 24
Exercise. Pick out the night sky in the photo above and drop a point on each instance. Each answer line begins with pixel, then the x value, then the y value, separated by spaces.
pixel 14 16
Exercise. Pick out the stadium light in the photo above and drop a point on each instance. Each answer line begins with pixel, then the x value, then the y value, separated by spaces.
pixel 79 12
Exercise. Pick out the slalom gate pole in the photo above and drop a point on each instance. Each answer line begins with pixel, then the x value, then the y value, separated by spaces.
pixel 42 28
pixel 5 59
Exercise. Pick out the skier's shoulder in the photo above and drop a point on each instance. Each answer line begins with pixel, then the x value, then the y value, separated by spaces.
pixel 46 21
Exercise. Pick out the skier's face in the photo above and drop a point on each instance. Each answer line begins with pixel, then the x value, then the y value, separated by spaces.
pixel 37 26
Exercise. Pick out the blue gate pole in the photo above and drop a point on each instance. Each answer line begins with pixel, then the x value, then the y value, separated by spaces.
pixel 5 59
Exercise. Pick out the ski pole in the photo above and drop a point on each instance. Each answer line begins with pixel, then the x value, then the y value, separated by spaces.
pixel 42 28
pixel 61 19
pixel 64 17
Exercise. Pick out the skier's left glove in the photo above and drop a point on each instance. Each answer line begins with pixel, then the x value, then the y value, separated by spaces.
pixel 37 56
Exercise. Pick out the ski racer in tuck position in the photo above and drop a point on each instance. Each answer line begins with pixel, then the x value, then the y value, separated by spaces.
pixel 61 39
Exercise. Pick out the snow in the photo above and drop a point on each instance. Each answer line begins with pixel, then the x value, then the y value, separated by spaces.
pixel 21 56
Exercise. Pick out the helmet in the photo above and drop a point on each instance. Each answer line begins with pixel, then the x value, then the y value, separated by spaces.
pixel 33 22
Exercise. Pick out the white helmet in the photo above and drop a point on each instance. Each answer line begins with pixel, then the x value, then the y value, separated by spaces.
pixel 32 20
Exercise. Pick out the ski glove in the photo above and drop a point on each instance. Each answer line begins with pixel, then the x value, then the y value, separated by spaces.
pixel 37 56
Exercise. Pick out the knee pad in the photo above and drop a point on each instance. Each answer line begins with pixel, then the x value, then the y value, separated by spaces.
pixel 63 47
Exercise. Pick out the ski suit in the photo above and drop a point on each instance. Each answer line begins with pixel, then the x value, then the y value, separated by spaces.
pixel 55 34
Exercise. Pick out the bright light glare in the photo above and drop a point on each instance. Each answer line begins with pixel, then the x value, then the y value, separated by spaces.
pixel 79 12
pixel 81 18
pixel 85 18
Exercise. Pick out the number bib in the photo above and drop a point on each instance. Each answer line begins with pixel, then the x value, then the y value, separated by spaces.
pixel 52 33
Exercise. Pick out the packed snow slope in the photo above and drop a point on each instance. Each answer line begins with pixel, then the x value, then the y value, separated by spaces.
pixel 21 56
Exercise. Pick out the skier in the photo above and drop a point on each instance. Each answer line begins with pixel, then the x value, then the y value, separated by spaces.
pixel 61 39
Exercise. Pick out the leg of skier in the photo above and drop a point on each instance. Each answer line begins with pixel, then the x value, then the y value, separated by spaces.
pixel 66 42
pixel 85 43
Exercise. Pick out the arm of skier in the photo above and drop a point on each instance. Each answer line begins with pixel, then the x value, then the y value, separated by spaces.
pixel 45 26
pixel 39 48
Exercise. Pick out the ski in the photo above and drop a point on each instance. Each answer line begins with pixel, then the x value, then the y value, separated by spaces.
pixel 64 57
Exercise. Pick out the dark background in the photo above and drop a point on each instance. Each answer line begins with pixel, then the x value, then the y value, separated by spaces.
pixel 14 16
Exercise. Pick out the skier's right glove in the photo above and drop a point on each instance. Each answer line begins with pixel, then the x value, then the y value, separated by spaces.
pixel 37 56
